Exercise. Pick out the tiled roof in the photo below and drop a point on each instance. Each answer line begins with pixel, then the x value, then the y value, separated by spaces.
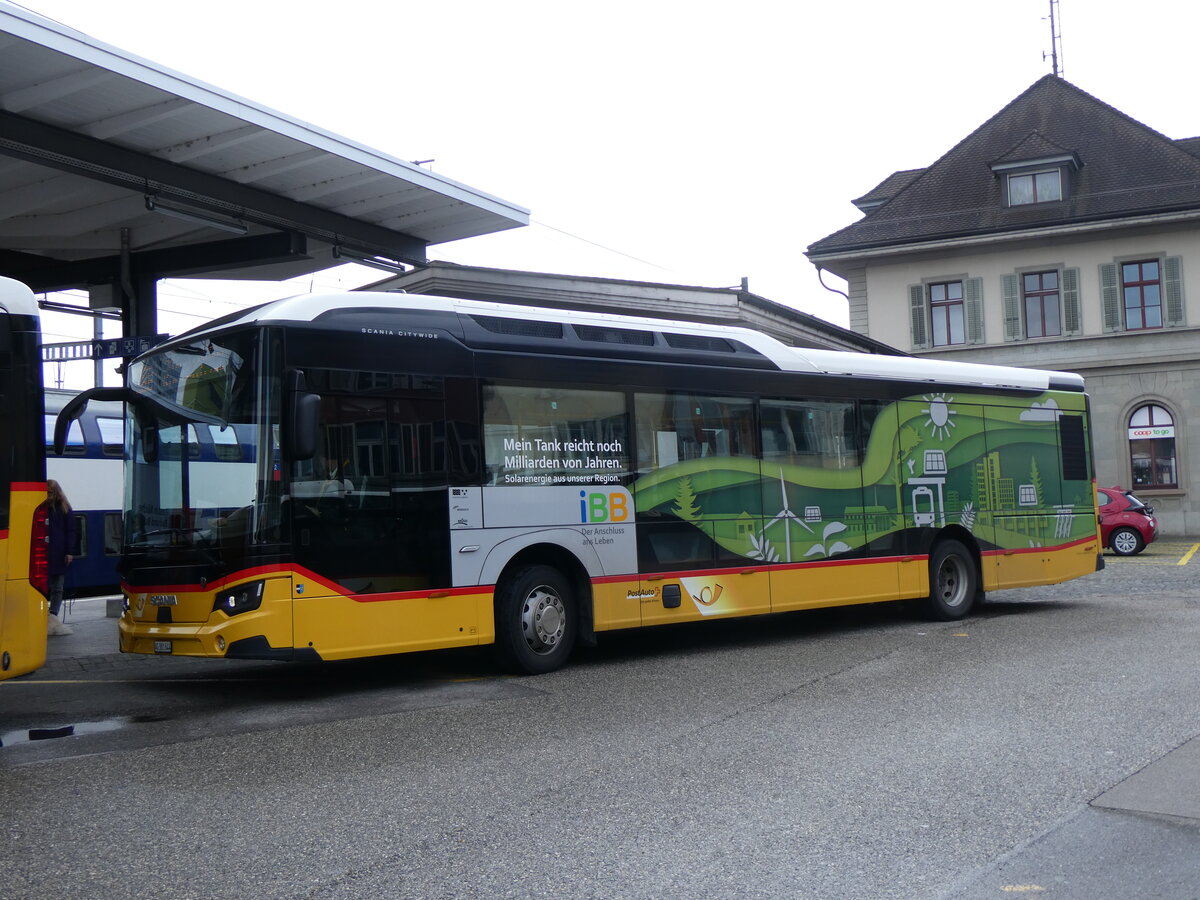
pixel 888 188
pixel 1034 146
pixel 1127 169
pixel 1191 145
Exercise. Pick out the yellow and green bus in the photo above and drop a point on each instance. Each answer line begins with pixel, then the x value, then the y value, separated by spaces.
pixel 23 573
pixel 408 472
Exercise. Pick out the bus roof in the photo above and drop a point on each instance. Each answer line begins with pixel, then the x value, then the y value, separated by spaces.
pixel 16 299
pixel 310 307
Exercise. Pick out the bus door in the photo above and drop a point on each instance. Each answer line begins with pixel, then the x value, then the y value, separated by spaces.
pixel 828 538
pixel 1021 489
pixel 698 508
pixel 370 518
pixel 946 477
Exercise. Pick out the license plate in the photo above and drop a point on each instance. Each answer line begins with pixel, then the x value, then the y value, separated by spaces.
pixel 162 646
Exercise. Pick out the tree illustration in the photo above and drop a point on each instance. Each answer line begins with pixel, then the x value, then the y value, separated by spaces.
pixel 685 501
pixel 761 548
pixel 1035 478
pixel 907 440
pixel 910 439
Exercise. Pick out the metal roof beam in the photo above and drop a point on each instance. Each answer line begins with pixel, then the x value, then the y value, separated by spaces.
pixel 44 275
pixel 272 167
pixel 333 185
pixel 26 139
pixel 136 118
pixel 32 195
pixel 212 143
pixel 52 89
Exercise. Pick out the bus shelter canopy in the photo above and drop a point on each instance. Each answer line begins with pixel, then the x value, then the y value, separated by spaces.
pixel 112 165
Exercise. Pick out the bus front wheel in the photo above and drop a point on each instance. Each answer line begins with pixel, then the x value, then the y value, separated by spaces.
pixel 536 620
pixel 953 582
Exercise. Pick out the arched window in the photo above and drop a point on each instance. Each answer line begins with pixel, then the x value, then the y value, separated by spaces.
pixel 1152 447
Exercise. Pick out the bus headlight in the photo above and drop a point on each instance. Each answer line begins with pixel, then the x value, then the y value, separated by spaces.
pixel 240 599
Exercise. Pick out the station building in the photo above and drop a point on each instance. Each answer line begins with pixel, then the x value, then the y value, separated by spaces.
pixel 1060 234
pixel 735 306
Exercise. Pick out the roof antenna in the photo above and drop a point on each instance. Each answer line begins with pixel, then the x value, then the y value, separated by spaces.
pixel 1055 43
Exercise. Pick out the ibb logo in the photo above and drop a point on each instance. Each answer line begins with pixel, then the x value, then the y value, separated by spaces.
pixel 602 507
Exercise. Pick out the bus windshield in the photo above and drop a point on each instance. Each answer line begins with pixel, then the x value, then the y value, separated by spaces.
pixel 203 471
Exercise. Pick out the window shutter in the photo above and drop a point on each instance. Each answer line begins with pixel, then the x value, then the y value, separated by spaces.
pixel 1110 296
pixel 918 318
pixel 1072 314
pixel 1173 289
pixel 1014 329
pixel 973 301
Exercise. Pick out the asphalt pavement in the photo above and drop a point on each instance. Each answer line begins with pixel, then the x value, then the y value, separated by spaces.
pixel 94 638
pixel 1141 838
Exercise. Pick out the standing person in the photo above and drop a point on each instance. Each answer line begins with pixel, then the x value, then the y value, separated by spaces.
pixel 60 544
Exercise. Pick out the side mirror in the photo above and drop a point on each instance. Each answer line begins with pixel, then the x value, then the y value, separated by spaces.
pixel 302 426
pixel 74 408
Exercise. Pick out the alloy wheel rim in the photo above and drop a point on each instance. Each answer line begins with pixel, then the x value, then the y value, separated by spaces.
pixel 543 619
pixel 952 582
pixel 1125 541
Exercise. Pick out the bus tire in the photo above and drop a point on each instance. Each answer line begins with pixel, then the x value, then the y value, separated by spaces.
pixel 953 582
pixel 536 620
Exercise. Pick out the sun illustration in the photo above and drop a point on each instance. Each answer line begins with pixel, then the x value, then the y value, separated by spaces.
pixel 941 416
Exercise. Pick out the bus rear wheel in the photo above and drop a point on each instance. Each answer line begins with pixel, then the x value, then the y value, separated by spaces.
pixel 953 582
pixel 536 620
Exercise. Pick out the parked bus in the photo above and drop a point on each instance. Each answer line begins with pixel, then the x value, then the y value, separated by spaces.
pixel 23 573
pixel 91 470
pixel 429 472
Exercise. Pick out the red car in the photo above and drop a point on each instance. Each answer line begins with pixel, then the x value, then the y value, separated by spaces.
pixel 1127 524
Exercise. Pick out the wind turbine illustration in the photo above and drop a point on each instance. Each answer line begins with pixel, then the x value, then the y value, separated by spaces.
pixel 787 516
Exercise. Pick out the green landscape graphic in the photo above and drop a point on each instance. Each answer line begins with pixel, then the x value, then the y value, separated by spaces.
pixel 982 462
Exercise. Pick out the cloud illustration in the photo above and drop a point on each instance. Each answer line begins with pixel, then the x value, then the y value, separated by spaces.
pixel 1042 412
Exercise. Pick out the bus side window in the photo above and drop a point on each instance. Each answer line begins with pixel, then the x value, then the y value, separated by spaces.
pixel 75 443
pixel 225 442
pixel 112 534
pixel 819 433
pixel 171 440
pixel 673 428
pixel 112 435
pixel 80 550
pixel 552 435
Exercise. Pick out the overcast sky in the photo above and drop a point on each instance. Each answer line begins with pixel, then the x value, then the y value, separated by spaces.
pixel 686 142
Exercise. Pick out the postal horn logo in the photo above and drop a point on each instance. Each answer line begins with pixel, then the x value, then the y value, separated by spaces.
pixel 708 596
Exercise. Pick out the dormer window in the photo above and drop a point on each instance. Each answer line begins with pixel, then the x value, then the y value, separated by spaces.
pixel 1035 187
pixel 1028 182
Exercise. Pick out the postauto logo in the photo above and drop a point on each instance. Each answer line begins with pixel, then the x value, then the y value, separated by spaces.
pixel 599 507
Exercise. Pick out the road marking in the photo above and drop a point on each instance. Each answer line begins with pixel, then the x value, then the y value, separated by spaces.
pixel 1159 553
